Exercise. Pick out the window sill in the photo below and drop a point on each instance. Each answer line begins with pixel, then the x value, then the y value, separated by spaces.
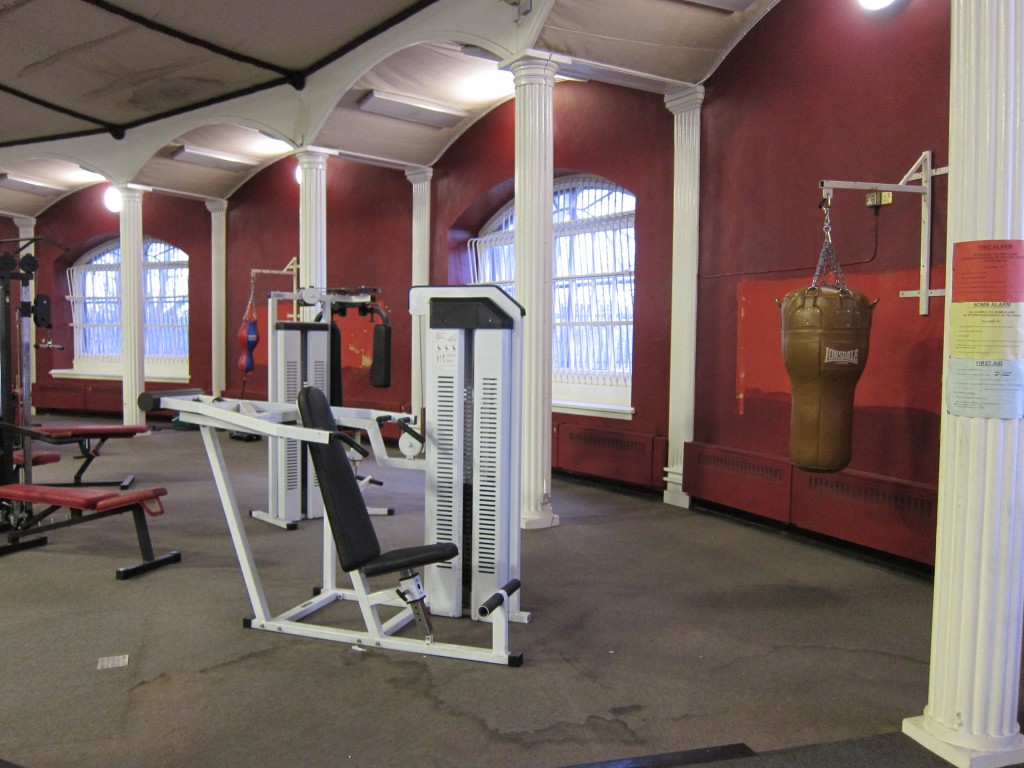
pixel 71 373
pixel 623 412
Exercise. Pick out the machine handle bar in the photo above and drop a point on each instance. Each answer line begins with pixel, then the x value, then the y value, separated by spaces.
pixel 403 424
pixel 352 443
pixel 498 598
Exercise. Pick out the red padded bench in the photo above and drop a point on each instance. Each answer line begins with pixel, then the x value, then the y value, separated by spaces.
pixel 90 439
pixel 38 458
pixel 25 528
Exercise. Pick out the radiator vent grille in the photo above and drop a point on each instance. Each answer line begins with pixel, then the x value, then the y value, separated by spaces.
pixel 740 465
pixel 609 442
pixel 877 496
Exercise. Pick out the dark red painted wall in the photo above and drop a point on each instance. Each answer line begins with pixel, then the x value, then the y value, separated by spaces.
pixel 81 222
pixel 816 90
pixel 822 91
pixel 622 135
pixel 369 243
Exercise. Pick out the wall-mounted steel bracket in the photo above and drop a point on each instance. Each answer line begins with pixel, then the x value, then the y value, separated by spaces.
pixel 922 172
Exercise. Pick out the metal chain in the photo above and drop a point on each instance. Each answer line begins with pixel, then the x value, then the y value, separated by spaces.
pixel 827 261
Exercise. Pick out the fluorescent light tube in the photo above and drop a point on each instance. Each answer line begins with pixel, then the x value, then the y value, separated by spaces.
pixel 33 186
pixel 411 110
pixel 225 161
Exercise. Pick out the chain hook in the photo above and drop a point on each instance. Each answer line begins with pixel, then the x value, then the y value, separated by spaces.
pixel 826 207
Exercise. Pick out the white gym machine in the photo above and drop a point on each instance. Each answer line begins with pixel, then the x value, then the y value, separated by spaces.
pixel 281 421
pixel 472 373
pixel 299 353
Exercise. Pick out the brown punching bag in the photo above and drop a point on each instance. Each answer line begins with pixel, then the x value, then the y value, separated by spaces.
pixel 825 331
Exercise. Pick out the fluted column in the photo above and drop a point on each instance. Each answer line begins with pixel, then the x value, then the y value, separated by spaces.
pixel 685 105
pixel 534 179
pixel 420 180
pixel 133 371
pixel 312 223
pixel 218 293
pixel 974 682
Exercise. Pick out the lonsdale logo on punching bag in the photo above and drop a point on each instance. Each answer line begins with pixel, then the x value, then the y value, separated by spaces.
pixel 825 331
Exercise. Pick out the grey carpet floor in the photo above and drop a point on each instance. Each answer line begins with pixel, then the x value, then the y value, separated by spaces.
pixel 655 630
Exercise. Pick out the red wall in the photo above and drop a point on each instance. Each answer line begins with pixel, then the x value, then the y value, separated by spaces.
pixel 622 135
pixel 81 222
pixel 369 243
pixel 822 91
pixel 815 91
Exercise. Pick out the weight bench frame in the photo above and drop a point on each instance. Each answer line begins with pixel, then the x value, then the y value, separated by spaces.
pixel 84 436
pixel 278 420
pixel 84 505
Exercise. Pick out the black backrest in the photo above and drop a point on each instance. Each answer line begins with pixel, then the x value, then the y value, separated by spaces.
pixel 343 500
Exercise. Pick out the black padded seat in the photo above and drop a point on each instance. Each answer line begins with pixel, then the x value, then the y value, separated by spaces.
pixel 410 557
pixel 354 536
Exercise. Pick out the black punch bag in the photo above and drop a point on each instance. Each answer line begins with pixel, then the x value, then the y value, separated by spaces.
pixel 825 333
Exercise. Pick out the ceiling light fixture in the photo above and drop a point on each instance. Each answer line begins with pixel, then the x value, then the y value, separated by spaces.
pixel 112 199
pixel 411 110
pixel 875 5
pixel 210 158
pixel 32 186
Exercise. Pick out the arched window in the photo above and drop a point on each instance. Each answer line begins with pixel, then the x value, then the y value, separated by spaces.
pixel 95 283
pixel 592 310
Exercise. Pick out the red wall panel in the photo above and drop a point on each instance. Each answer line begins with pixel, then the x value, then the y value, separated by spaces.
pixel 81 222
pixel 622 135
pixel 822 91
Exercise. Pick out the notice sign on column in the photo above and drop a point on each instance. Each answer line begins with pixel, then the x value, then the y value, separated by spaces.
pixel 985 370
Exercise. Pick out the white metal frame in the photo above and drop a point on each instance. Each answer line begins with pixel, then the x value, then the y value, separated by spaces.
pixel 297 358
pixel 280 421
pixel 923 172
pixel 472 433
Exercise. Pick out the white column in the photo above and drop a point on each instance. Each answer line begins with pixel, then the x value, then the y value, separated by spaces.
pixel 133 372
pixel 218 294
pixel 974 683
pixel 534 179
pixel 685 106
pixel 312 223
pixel 420 180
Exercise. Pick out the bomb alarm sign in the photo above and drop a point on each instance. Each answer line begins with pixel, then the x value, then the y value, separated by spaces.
pixel 985 368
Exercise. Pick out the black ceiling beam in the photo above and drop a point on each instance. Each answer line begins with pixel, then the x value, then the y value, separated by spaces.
pixel 103 126
pixel 288 76
pixel 296 80
pixel 384 26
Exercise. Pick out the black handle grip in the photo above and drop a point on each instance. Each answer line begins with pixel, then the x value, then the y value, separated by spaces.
pixel 498 598
pixel 403 424
pixel 149 401
pixel 352 443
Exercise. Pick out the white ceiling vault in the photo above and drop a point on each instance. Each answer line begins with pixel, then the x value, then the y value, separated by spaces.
pixel 192 98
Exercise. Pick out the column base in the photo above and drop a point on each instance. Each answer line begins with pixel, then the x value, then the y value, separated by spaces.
pixel 674 487
pixel 676 498
pixel 962 757
pixel 538 518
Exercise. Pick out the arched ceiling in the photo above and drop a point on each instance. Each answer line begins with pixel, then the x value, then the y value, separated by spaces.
pixel 187 97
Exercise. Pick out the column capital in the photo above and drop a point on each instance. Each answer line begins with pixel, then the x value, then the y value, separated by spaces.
pixel 216 206
pixel 310 158
pixel 419 175
pixel 24 222
pixel 131 191
pixel 534 67
pixel 685 99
